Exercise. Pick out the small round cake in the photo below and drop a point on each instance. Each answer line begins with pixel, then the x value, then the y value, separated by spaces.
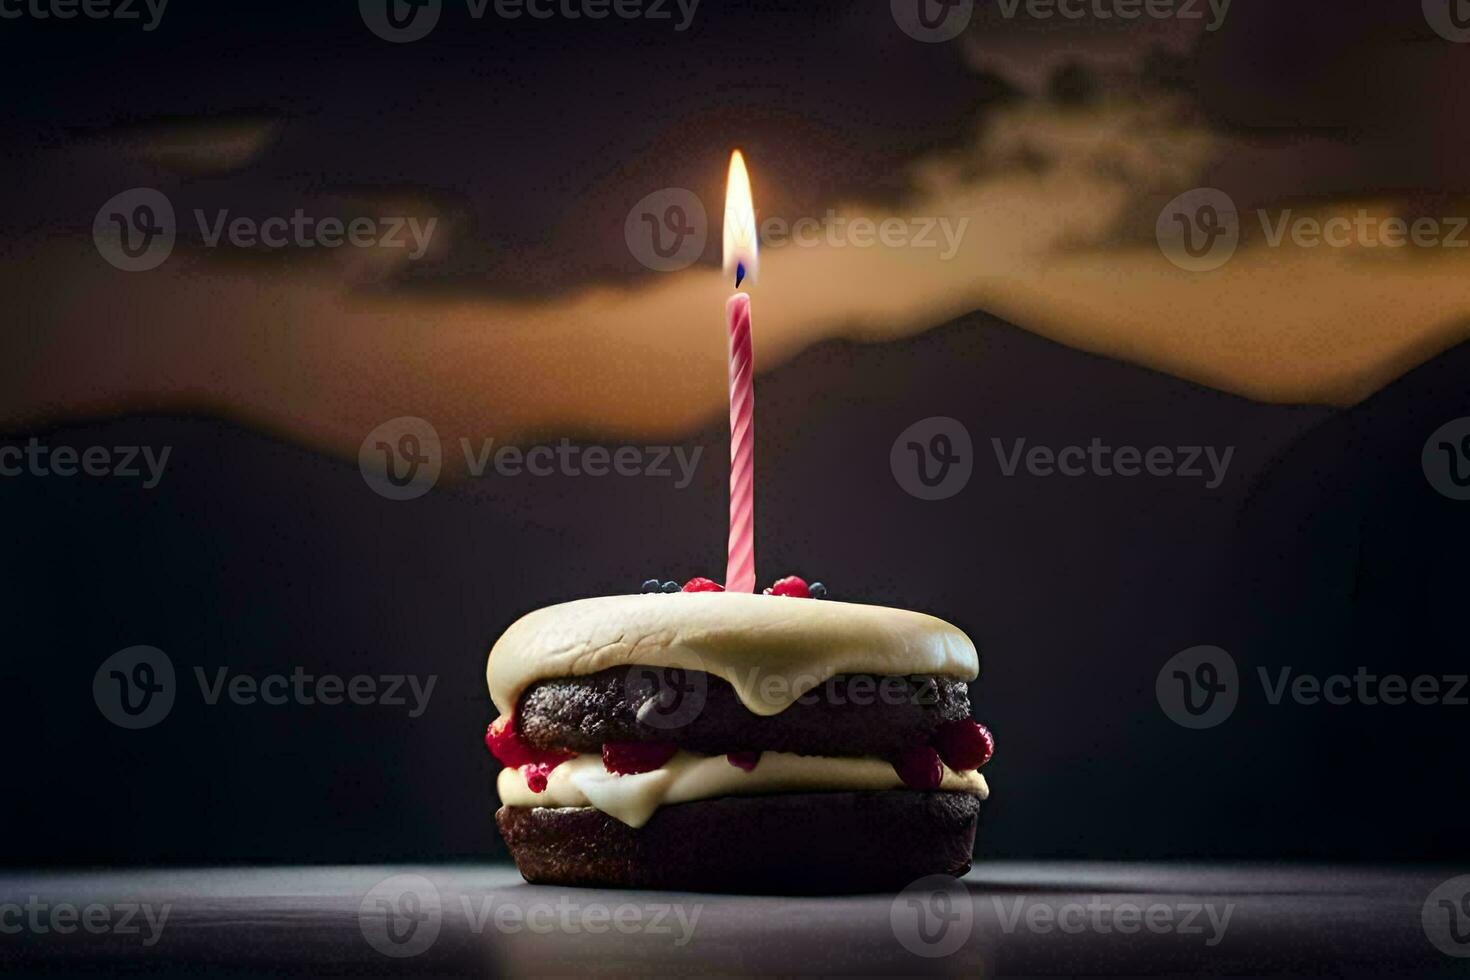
pixel 717 741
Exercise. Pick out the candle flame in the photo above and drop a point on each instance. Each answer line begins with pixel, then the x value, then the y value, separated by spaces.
pixel 741 244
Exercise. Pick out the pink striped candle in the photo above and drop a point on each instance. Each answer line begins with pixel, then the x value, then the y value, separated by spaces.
pixel 740 568
pixel 741 258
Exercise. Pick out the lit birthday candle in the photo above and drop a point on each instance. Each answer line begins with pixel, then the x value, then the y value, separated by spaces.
pixel 741 258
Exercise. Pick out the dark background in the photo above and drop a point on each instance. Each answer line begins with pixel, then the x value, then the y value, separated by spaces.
pixel 1325 549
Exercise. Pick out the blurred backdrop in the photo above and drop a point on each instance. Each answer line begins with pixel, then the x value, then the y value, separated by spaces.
pixel 1186 292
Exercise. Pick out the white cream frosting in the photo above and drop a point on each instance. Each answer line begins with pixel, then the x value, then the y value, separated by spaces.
pixel 771 649
pixel 633 799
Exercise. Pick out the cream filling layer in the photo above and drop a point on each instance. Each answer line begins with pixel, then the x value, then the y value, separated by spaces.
pixel 633 799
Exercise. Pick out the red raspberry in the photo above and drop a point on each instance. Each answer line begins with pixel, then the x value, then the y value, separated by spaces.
pixel 964 744
pixel 698 584
pixel 919 768
pixel 536 773
pixel 743 760
pixel 505 743
pixel 792 586
pixel 626 758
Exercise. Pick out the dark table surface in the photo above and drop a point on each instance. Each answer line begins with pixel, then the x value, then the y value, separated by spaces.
pixel 1005 919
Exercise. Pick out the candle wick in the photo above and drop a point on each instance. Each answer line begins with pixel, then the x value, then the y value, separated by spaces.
pixel 739 273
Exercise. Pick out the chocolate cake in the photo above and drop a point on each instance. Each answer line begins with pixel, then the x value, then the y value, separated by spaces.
pixel 736 742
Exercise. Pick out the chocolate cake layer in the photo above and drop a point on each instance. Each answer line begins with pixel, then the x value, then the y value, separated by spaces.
pixel 850 715
pixel 800 843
